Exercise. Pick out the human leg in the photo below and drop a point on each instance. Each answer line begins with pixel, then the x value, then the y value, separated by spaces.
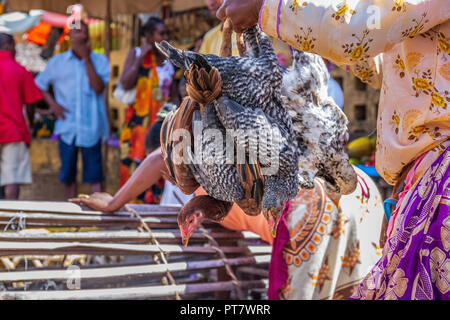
pixel 93 167
pixel 15 168
pixel 68 173
pixel 12 192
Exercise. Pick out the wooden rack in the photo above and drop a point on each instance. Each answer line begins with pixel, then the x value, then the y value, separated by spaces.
pixel 55 250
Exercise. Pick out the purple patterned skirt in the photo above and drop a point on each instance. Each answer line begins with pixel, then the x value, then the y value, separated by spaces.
pixel 415 264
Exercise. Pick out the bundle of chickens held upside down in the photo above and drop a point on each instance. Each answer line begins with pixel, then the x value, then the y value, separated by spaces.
pixel 252 135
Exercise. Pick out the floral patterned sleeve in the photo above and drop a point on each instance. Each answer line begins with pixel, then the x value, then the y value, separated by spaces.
pixel 351 33
pixel 368 70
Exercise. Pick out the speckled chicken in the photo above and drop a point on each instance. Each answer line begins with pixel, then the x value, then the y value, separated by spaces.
pixel 213 165
pixel 242 183
pixel 251 100
pixel 320 125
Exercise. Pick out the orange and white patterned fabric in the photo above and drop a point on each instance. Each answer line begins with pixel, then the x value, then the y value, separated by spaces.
pixel 399 46
pixel 332 249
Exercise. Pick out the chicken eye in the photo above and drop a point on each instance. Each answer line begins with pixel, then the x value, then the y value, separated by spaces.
pixel 191 221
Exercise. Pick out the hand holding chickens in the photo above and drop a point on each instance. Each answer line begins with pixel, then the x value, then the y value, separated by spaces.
pixel 242 13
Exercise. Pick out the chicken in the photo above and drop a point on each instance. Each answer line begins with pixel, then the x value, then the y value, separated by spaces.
pixel 221 178
pixel 244 187
pixel 215 171
pixel 252 82
pixel 202 207
pixel 320 125
pixel 209 165
pixel 242 183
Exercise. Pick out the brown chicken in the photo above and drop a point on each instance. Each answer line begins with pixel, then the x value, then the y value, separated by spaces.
pixel 203 86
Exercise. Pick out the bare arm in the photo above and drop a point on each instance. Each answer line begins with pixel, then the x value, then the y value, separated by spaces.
pixel 147 174
pixel 132 63
pixel 323 26
pixel 95 80
pixel 31 109
pixel 130 70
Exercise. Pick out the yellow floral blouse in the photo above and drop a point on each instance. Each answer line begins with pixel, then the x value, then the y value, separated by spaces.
pixel 399 46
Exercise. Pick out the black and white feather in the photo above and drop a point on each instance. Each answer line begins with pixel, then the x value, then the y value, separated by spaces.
pixel 253 83
pixel 320 125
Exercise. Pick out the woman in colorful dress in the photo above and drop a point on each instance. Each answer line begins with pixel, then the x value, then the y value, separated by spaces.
pixel 403 48
pixel 147 70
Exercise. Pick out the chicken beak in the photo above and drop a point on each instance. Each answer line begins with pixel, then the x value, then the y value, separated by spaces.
pixel 275 227
pixel 274 231
pixel 185 240
pixel 273 218
pixel 272 223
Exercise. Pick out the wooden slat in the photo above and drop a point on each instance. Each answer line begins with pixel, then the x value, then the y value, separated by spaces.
pixel 118 242
pixel 81 220
pixel 70 220
pixel 72 208
pixel 43 206
pixel 130 293
pixel 24 248
pixel 98 213
pixel 152 208
pixel 128 271
pixel 253 271
pixel 117 236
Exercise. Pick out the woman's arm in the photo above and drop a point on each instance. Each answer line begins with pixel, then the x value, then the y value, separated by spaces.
pixel 132 64
pixel 146 174
pixel 342 32
pixel 130 70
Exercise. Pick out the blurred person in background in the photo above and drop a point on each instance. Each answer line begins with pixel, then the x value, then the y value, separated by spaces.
pixel 78 77
pixel 147 70
pixel 17 88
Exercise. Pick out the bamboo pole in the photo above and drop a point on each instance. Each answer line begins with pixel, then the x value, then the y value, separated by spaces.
pixel 114 273
pixel 50 248
pixel 72 208
pixel 253 271
pixel 130 293
pixel 114 236
pixel 82 220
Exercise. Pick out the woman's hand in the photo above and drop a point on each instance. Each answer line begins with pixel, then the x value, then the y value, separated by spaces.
pixel 99 201
pixel 243 14
pixel 146 48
